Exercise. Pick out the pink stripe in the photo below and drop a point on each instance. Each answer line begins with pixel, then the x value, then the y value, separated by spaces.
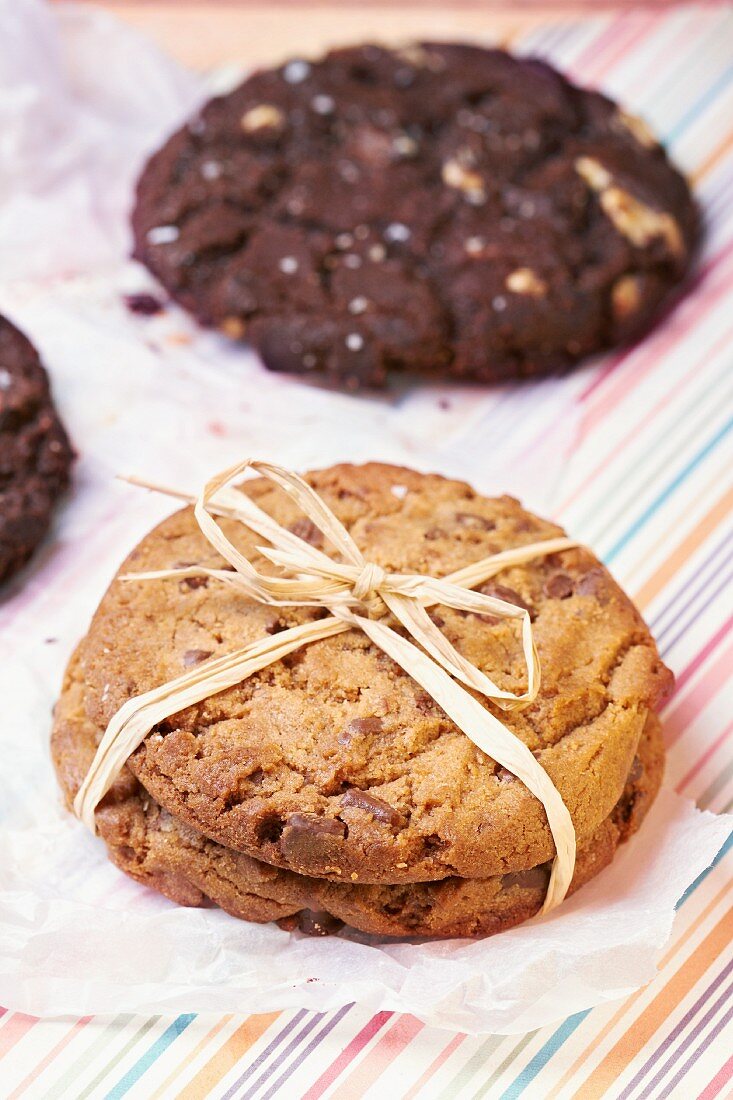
pixel 38 1070
pixel 677 720
pixel 435 1066
pixel 704 758
pixel 347 1056
pixel 671 394
pixel 656 58
pixel 361 1079
pixel 14 1029
pixel 704 653
pixel 722 1077
pixel 684 317
pixel 627 32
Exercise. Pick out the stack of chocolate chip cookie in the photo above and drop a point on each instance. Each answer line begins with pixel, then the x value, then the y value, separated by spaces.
pixel 330 788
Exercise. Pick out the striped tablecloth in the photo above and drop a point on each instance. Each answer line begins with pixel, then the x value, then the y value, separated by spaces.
pixel 649 486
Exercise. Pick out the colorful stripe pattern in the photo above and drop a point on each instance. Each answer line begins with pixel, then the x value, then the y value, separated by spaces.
pixel 649 488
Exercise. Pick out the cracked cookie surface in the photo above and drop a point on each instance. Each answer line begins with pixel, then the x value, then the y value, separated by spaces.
pixel 166 854
pixel 333 762
pixel 35 453
pixel 441 208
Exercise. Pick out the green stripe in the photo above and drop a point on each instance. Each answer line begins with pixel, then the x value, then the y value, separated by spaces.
pixel 110 1065
pixel 513 1054
pixel 74 1071
pixel 472 1066
pixel 151 1056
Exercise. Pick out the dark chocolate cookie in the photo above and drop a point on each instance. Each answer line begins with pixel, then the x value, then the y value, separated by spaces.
pixel 35 453
pixel 441 208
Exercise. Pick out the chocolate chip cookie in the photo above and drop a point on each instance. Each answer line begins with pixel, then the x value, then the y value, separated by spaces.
pixel 35 453
pixel 164 853
pixel 440 209
pixel 333 762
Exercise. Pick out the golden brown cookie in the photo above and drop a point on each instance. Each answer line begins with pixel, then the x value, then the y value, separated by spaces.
pixel 334 763
pixel 161 852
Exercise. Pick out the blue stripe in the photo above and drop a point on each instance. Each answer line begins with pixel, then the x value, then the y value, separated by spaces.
pixel 704 101
pixel 720 856
pixel 647 514
pixel 543 1055
pixel 566 1029
pixel 159 1047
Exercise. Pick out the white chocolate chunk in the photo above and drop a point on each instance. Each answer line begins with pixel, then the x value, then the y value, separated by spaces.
pixel 262 117
pixel 525 281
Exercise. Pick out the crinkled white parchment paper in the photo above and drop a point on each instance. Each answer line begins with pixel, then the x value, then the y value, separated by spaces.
pixel 82 100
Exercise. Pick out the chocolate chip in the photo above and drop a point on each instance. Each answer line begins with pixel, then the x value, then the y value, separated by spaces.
pixel 558 587
pixel 530 879
pixel 317 922
pixel 276 626
pixel 504 776
pixel 425 703
pixel 145 304
pixel 195 656
pixel 358 727
pixel 509 595
pixel 311 838
pixel 307 531
pixel 475 522
pixel 362 800
pixel 193 582
pixel 594 583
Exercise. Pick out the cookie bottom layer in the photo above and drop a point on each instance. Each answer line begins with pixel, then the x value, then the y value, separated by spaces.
pixel 158 850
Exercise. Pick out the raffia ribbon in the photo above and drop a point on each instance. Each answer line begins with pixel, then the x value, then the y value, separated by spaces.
pixel 346 588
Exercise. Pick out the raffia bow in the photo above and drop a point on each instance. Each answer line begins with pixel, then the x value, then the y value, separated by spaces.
pixel 354 591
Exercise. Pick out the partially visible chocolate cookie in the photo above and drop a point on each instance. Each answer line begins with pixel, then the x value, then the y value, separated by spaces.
pixel 441 208
pixel 35 453
pixel 170 856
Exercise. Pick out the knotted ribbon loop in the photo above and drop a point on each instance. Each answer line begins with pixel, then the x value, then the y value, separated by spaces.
pixel 367 584
pixel 309 577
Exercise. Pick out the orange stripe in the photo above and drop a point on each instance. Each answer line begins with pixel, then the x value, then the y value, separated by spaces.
pixel 378 1058
pixel 227 1056
pixel 702 529
pixel 635 1039
pixel 14 1030
pixel 712 159
pixel 38 1070
pixel 631 1001
pixel 178 1070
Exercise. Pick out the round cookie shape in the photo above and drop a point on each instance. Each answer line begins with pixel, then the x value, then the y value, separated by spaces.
pixel 35 453
pixel 164 853
pixel 333 762
pixel 442 208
